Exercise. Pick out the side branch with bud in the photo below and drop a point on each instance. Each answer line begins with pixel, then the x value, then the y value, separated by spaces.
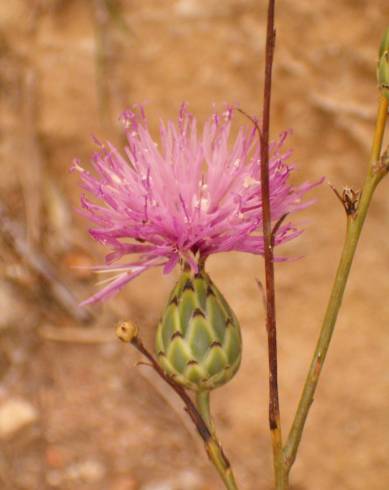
pixel 355 221
pixel 356 206
pixel 128 332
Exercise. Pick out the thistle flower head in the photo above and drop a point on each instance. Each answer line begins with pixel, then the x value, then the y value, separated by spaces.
pixel 193 194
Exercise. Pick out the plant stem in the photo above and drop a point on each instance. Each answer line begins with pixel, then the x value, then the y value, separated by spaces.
pixel 213 447
pixel 201 416
pixel 203 406
pixel 355 223
pixel 271 327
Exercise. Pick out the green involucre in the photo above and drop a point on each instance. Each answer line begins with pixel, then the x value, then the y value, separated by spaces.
pixel 198 341
pixel 384 44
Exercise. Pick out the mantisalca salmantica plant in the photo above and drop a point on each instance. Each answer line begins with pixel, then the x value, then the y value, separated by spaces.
pixel 194 193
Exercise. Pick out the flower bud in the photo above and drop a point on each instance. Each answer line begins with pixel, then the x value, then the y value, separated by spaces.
pixel 384 44
pixel 198 340
pixel 126 331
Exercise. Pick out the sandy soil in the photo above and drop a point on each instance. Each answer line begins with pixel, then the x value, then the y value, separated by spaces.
pixel 94 421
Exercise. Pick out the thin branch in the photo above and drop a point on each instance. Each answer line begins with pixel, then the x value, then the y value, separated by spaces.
pixel 253 120
pixel 274 408
pixel 190 407
pixel 128 332
pixel 266 222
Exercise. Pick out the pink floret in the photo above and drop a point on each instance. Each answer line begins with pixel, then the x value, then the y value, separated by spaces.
pixel 193 194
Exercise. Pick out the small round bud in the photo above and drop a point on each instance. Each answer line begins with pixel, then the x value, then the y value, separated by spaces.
pixel 383 74
pixel 126 331
pixel 384 44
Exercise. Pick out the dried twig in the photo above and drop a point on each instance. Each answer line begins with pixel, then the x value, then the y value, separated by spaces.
pixel 349 199
pixel 340 107
pixel 31 174
pixel 42 266
pixel 345 116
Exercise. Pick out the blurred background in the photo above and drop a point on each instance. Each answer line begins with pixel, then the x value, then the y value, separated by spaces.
pixel 75 412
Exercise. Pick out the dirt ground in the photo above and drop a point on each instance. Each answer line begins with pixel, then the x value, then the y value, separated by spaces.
pixel 75 411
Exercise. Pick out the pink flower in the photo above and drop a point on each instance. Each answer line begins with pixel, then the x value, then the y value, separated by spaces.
pixel 195 194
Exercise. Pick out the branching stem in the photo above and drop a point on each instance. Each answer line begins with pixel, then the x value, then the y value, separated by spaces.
pixel 200 416
pixel 355 222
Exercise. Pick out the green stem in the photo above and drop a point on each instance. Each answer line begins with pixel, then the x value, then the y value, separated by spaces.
pixel 213 447
pixel 203 406
pixel 280 470
pixel 355 224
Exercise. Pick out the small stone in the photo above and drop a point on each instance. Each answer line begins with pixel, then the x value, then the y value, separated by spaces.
pixel 188 479
pixel 15 414
pixel 88 471
pixel 159 485
pixel 189 9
